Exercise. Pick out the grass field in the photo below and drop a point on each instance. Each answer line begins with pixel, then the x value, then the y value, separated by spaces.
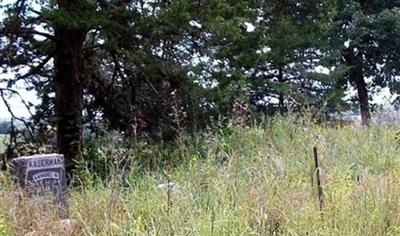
pixel 241 181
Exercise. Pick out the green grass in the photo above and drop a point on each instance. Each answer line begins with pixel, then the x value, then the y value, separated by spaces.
pixel 242 181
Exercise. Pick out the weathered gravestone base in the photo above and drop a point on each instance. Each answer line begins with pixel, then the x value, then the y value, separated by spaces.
pixel 41 178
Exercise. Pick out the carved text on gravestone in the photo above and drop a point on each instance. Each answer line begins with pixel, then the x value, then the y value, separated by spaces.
pixel 43 178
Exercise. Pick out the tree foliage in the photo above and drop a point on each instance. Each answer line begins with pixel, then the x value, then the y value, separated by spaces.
pixel 159 69
pixel 363 38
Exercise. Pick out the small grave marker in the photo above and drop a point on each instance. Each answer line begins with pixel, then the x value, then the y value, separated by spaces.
pixel 42 178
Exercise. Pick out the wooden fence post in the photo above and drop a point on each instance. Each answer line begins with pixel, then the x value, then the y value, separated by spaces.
pixel 318 179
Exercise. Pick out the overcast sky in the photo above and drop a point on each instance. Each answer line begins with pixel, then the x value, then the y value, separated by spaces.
pixel 17 107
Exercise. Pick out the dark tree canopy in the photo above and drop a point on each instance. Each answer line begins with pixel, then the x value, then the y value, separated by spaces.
pixel 159 69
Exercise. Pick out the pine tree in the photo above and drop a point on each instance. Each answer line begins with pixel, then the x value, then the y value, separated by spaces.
pixel 363 38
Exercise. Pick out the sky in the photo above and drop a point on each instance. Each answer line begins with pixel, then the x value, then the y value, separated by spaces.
pixel 17 107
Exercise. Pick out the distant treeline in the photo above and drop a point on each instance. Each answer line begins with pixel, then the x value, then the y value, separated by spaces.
pixel 4 126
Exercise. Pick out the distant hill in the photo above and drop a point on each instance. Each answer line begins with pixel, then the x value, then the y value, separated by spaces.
pixel 5 125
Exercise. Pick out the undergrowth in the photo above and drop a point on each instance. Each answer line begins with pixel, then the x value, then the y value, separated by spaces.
pixel 233 181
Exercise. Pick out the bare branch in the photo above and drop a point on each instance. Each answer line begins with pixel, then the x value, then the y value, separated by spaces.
pixel 8 106
pixel 20 96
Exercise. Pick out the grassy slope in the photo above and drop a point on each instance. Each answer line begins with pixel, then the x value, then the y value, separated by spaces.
pixel 252 182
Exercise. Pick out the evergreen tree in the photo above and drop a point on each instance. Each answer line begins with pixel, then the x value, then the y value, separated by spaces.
pixel 125 61
pixel 363 40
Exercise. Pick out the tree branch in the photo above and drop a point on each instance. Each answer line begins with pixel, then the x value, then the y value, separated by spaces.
pixel 27 31
pixel 36 69
pixel 8 106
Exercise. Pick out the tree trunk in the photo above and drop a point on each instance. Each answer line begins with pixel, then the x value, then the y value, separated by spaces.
pixel 357 79
pixel 362 93
pixel 69 77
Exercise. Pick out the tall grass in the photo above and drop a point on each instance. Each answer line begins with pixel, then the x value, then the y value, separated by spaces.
pixel 237 181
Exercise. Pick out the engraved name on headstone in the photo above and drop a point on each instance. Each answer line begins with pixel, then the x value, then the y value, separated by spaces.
pixel 42 178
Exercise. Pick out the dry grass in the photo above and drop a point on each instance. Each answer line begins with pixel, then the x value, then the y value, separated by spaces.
pixel 251 182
